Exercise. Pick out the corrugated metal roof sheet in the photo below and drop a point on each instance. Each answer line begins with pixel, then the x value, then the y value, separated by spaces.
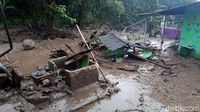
pixel 112 42
pixel 173 11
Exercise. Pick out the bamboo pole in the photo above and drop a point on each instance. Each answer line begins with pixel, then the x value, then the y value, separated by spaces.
pixel 52 43
pixel 84 40
pixel 7 58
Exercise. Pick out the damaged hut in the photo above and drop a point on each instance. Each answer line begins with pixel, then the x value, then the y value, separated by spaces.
pixel 190 32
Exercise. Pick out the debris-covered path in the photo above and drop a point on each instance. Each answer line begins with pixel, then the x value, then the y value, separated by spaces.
pixel 150 88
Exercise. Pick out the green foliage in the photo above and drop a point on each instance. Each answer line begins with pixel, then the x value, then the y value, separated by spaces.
pixel 96 11
pixel 59 12
pixel 85 12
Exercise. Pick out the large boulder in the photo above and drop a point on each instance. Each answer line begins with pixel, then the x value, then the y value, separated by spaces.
pixel 28 44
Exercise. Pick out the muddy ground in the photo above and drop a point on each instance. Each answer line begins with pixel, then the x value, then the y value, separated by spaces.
pixel 149 89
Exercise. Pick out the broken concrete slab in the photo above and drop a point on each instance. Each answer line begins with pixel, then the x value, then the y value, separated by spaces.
pixel 37 98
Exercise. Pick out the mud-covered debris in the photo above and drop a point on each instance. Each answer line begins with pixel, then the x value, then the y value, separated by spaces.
pixel 166 80
pixel 28 44
pixel 198 90
pixel 46 82
pixel 20 107
pixel 129 68
pixel 58 53
pixel 167 72
pixel 4 96
pixel 103 85
pixel 37 98
pixel 118 60
pixel 141 99
pixel 47 91
pixel 114 90
pixel 151 68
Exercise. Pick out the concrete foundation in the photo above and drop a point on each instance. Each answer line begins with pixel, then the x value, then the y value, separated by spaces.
pixel 82 77
pixel 77 77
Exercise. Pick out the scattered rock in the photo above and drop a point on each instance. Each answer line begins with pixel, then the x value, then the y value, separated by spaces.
pixel 28 44
pixel 141 99
pixel 20 108
pixel 166 72
pixel 166 80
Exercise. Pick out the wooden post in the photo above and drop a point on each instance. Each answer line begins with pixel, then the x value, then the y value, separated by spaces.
pixel 178 27
pixel 83 38
pixel 145 29
pixel 163 31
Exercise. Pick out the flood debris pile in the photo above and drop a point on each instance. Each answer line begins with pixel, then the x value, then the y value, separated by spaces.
pixel 65 73
pixel 62 75
pixel 118 49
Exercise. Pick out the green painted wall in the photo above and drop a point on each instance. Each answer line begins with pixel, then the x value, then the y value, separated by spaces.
pixel 190 35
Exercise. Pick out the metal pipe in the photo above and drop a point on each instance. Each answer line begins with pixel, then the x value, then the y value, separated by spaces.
pixel 7 32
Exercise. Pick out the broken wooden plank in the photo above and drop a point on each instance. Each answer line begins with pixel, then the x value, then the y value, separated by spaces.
pixel 73 60
pixel 150 61
pixel 70 49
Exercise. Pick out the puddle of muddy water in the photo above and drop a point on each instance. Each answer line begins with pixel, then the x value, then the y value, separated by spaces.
pixel 128 98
